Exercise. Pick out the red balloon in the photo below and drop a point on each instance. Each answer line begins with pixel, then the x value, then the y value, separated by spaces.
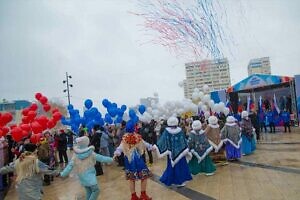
pixel 5 118
pixel 25 133
pixel 36 127
pixel 16 134
pixel 42 120
pixel 46 107
pixel 33 107
pixel 25 111
pixel 38 96
pixel 55 110
pixel 12 126
pixel 5 130
pixel 25 120
pixel 25 127
pixel 57 116
pixel 1 133
pixel 51 124
pixel 31 115
pixel 43 100
pixel 35 138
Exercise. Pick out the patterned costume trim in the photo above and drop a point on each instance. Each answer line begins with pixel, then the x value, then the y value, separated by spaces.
pixel 144 174
pixel 200 158
pixel 184 152
pixel 215 146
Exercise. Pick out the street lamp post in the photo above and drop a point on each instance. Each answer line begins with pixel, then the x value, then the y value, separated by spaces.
pixel 68 86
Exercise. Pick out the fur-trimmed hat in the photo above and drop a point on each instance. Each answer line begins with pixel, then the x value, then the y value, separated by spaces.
pixel 213 120
pixel 172 121
pixel 83 142
pixel 196 125
pixel 230 119
pixel 244 114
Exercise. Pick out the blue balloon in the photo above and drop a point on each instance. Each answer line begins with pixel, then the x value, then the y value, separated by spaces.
pixel 106 103
pixel 93 111
pixel 87 114
pixel 142 109
pixel 135 119
pixel 123 108
pixel 70 107
pixel 132 113
pixel 112 111
pixel 88 103
pixel 72 112
pixel 114 105
pixel 120 112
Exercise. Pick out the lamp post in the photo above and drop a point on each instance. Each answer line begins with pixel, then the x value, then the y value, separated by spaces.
pixel 68 86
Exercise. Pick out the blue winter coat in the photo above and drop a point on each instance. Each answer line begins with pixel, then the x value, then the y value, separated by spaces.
pixel 286 116
pixel 84 160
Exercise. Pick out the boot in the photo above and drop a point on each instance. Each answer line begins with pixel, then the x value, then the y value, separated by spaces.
pixel 144 196
pixel 134 197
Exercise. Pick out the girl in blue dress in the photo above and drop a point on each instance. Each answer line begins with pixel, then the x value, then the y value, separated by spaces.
pixel 133 147
pixel 248 141
pixel 173 144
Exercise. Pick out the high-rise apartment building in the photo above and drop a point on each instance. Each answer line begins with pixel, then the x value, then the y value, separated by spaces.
pixel 259 66
pixel 214 73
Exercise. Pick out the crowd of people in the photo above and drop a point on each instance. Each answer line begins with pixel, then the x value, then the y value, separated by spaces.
pixel 192 146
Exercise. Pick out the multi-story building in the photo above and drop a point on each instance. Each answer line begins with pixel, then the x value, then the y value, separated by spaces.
pixel 214 73
pixel 15 108
pixel 259 66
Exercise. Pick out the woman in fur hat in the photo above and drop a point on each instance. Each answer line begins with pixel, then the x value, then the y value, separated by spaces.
pixel 231 135
pixel 200 148
pixel 29 172
pixel 173 144
pixel 214 138
pixel 133 147
pixel 248 141
pixel 83 161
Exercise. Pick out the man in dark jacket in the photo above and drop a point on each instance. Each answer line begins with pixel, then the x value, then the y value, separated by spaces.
pixel 62 146
pixel 255 123
pixel 95 139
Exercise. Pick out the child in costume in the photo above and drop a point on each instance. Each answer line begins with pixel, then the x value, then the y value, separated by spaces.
pixel 133 147
pixel 230 134
pixel 248 141
pixel 29 172
pixel 214 138
pixel 200 148
pixel 173 144
pixel 83 161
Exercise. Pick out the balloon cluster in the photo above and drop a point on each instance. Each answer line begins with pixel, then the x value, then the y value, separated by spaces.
pixel 31 121
pixel 114 114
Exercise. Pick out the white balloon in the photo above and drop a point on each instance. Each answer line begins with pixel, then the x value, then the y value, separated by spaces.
pixel 196 90
pixel 204 108
pixel 206 89
pixel 180 84
pixel 201 95
pixel 206 114
pixel 226 111
pixel 206 98
pixel 195 96
pixel 222 105
pixel 211 103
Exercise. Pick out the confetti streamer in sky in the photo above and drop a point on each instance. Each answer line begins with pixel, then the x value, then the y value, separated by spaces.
pixel 186 27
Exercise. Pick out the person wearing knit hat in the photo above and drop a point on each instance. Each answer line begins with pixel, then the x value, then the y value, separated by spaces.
pixel 248 141
pixel 213 134
pixel 172 143
pixel 83 161
pixel 133 147
pixel 200 148
pixel 29 171
pixel 230 134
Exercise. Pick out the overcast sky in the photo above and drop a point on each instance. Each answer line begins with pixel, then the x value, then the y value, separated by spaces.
pixel 99 43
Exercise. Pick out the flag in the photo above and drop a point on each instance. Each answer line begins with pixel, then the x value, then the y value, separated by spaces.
pixel 248 104
pixel 228 105
pixel 275 104
pixel 240 106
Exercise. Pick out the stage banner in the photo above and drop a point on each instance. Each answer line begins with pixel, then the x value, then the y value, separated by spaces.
pixel 297 87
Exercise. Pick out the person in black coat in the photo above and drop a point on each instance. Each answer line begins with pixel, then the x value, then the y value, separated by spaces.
pixel 255 123
pixel 95 141
pixel 62 146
